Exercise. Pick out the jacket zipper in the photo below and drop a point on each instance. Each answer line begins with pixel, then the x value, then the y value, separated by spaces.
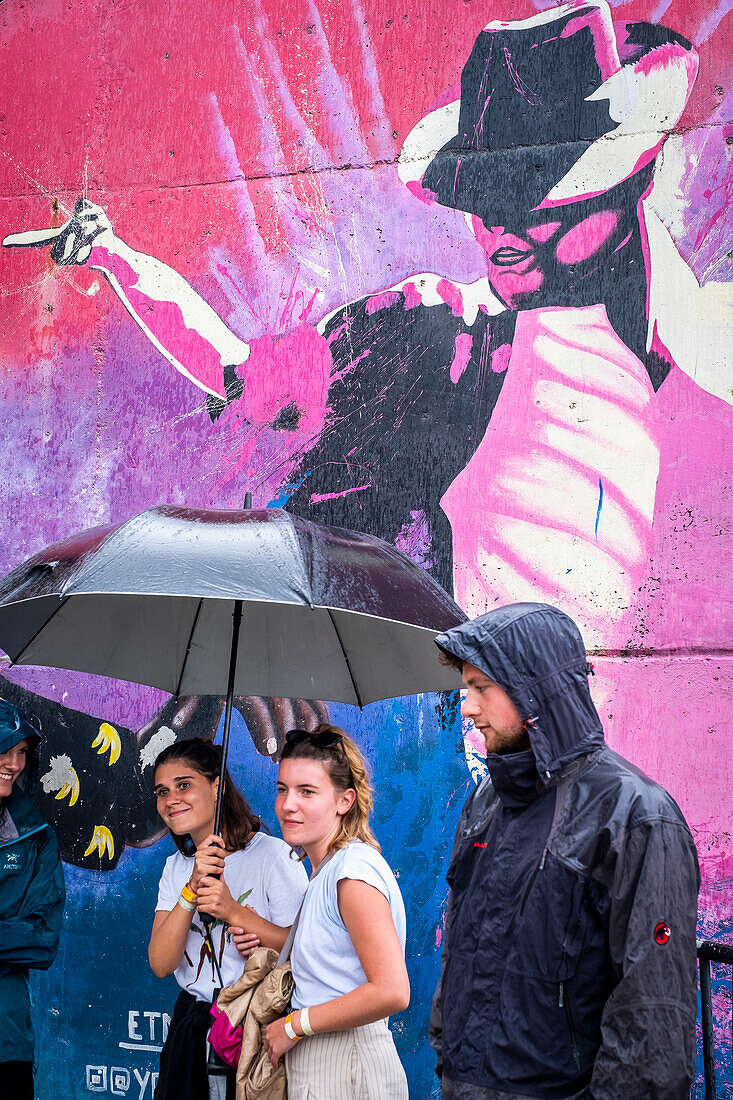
pixel 540 867
pixel 23 836
pixel 564 1002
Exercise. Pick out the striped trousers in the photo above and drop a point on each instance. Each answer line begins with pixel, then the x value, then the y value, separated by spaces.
pixel 360 1064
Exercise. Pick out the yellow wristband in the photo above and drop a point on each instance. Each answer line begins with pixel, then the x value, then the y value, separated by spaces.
pixel 188 893
pixel 290 1030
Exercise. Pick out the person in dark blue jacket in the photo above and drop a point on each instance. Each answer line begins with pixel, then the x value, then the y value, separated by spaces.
pixel 31 898
pixel 569 957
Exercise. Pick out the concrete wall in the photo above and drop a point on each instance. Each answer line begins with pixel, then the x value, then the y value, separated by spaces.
pixel 550 422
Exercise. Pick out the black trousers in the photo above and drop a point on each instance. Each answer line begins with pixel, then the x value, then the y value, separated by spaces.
pixel 16 1080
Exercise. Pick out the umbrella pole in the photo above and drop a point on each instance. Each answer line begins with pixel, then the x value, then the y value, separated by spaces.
pixel 206 919
pixel 236 623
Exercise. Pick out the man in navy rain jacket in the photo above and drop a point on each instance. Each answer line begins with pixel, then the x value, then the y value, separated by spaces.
pixel 31 898
pixel 569 960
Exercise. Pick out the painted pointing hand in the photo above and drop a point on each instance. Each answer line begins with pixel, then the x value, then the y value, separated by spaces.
pixel 71 243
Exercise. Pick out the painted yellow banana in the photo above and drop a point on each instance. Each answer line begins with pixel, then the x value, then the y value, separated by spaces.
pixel 108 739
pixel 71 788
pixel 102 841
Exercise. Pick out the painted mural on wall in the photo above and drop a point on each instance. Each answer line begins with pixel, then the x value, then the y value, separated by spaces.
pixel 457 275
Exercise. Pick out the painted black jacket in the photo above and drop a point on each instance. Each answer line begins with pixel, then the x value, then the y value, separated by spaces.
pixel 569 962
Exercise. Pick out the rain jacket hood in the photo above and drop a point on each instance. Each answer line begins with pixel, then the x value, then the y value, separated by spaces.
pixel 536 654
pixel 14 728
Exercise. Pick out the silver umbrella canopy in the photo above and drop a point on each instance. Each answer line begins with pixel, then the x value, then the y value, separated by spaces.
pixel 319 612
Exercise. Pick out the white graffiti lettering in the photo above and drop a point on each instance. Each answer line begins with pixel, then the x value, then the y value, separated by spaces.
pixel 117 1081
pixel 96 1077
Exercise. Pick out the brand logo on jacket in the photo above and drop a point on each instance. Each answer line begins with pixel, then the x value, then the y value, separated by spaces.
pixel 662 932
pixel 12 862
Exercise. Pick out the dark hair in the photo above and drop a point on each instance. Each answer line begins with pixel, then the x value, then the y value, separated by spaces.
pixel 347 770
pixel 449 660
pixel 238 820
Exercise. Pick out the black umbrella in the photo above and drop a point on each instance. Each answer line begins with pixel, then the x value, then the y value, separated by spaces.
pixel 203 602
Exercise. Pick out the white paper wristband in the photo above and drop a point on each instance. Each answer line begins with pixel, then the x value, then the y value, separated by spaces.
pixel 187 905
pixel 305 1022
pixel 290 1031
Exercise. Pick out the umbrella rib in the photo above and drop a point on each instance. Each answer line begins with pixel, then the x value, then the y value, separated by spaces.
pixel 346 658
pixel 43 626
pixel 188 648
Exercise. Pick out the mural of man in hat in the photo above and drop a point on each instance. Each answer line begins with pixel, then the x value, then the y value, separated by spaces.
pixel 548 147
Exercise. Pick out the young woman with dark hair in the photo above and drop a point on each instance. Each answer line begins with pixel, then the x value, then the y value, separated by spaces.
pixel 348 955
pixel 244 879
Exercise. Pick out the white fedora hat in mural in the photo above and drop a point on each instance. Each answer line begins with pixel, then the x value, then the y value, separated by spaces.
pixel 552 109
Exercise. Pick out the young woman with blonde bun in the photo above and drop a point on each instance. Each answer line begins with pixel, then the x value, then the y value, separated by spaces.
pixel 348 954
pixel 245 879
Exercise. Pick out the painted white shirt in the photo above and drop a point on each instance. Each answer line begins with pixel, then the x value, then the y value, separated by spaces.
pixel 262 875
pixel 557 502
pixel 325 964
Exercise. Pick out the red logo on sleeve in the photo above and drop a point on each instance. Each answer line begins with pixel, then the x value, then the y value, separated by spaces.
pixel 662 932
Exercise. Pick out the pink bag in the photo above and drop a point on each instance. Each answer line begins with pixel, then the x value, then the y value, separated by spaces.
pixel 225 1038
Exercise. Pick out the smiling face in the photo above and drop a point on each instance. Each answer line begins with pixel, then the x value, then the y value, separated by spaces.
pixel 308 805
pixel 493 713
pixel 186 799
pixel 12 763
pixel 551 257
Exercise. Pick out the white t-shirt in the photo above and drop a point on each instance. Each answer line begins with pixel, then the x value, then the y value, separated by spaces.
pixel 261 875
pixel 325 964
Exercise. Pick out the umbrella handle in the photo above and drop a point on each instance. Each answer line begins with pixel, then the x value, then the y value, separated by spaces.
pixel 207 921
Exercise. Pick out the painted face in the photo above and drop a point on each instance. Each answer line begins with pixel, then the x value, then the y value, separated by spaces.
pixel 542 261
pixel 308 806
pixel 12 763
pixel 493 713
pixel 186 799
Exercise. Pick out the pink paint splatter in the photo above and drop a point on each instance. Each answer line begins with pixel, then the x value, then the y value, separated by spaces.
pixel 500 358
pixel 412 296
pixel 452 296
pixel 295 367
pixel 461 356
pixel 316 498
pixel 382 301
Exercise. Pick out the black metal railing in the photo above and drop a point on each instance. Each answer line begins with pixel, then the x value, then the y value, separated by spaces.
pixel 709 951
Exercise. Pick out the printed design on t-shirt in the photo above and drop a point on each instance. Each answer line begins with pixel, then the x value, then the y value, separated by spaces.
pixel 205 952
